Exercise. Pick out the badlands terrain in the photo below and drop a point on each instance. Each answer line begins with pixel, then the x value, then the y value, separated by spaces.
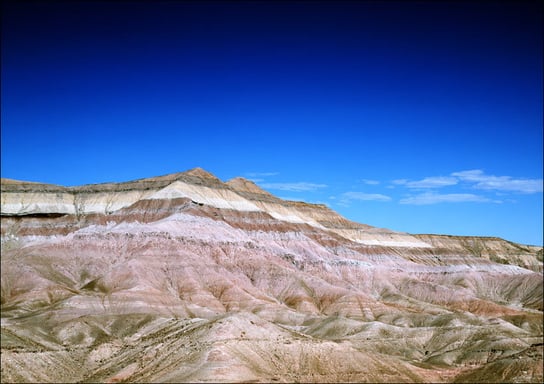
pixel 185 278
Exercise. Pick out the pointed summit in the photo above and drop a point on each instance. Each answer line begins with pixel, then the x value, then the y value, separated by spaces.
pixel 240 184
pixel 200 173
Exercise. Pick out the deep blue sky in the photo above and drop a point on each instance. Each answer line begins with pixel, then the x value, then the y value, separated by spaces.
pixel 424 117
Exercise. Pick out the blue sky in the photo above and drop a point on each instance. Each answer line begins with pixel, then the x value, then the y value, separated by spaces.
pixel 424 117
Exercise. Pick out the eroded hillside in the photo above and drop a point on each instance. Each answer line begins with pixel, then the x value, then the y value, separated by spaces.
pixel 184 278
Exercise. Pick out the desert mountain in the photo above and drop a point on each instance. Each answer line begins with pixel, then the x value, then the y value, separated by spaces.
pixel 184 278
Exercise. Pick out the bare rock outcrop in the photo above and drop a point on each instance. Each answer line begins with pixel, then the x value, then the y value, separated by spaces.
pixel 184 278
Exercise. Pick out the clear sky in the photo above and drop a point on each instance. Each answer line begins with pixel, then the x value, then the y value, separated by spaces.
pixel 423 117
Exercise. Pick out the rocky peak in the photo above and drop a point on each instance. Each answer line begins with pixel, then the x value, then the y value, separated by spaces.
pixel 239 184
pixel 201 173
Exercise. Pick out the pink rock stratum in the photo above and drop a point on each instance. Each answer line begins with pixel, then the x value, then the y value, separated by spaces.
pixel 184 278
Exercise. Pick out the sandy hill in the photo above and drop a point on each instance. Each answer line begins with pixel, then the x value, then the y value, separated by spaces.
pixel 184 278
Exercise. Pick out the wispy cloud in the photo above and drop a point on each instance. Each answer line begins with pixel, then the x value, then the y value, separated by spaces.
pixel 432 182
pixel 428 198
pixel 261 174
pixel 370 182
pixel 293 187
pixel 499 183
pixel 476 179
pixel 348 196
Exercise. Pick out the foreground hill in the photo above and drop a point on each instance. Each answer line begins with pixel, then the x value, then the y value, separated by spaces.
pixel 185 278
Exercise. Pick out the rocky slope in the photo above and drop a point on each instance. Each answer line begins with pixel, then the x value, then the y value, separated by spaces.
pixel 184 278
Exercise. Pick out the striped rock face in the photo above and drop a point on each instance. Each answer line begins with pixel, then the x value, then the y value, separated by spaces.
pixel 185 278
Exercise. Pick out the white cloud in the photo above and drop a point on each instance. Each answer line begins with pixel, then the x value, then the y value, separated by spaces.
pixel 428 182
pixel 500 183
pixel 428 198
pixel 477 179
pixel 472 175
pixel 293 187
pixel 348 196
pixel 261 174
pixel 432 182
pixel 370 182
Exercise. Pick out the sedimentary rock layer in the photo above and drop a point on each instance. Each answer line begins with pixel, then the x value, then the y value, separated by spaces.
pixel 185 278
